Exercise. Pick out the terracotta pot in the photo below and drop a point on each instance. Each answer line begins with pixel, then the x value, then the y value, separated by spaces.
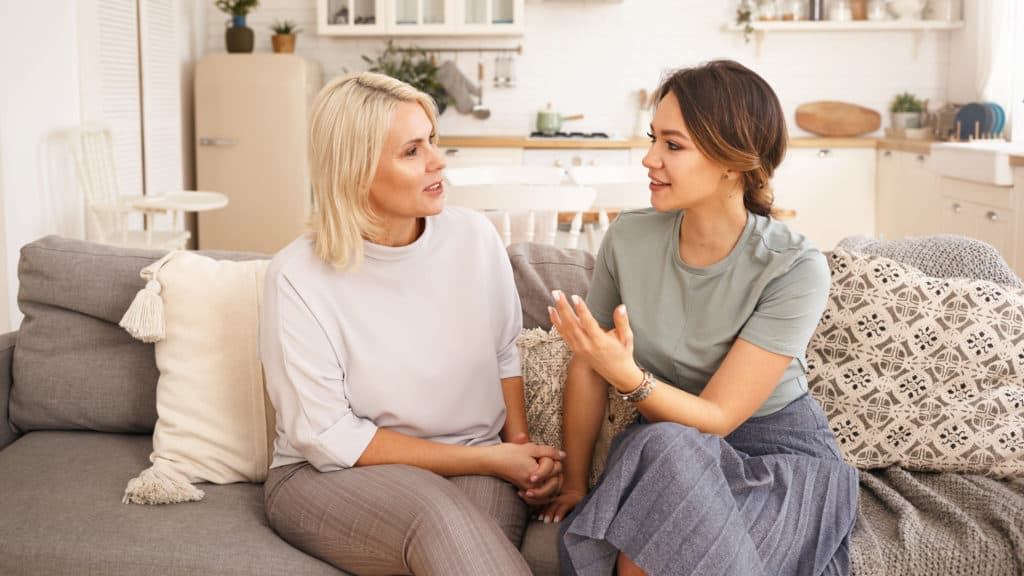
pixel 283 43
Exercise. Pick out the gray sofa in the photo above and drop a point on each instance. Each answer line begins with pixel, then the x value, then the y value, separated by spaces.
pixel 77 409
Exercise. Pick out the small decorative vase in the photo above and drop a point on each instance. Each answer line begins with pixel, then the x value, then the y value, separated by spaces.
pixel 283 43
pixel 238 37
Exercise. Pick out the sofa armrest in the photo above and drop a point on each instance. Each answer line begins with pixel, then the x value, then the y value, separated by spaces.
pixel 7 341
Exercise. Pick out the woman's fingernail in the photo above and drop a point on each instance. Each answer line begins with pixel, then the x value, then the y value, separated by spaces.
pixel 575 300
pixel 622 309
pixel 530 494
pixel 556 294
pixel 547 520
pixel 557 518
pixel 533 478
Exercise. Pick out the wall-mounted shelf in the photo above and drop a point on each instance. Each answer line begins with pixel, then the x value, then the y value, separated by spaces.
pixel 855 26
pixel 918 27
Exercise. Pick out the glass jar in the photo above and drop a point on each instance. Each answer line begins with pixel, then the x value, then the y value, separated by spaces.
pixel 794 10
pixel 840 11
pixel 767 11
pixel 877 10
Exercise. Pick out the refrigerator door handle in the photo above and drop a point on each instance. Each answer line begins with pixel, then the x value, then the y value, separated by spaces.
pixel 217 141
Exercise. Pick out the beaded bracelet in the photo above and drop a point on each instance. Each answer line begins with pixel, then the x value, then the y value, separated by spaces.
pixel 642 391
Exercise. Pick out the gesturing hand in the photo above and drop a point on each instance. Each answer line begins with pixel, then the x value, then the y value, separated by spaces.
pixel 608 352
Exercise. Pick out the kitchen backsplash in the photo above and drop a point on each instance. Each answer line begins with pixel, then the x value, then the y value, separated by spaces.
pixel 592 59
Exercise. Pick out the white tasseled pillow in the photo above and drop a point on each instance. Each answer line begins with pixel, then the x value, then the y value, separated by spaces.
pixel 214 422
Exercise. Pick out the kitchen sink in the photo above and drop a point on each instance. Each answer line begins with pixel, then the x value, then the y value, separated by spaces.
pixel 987 162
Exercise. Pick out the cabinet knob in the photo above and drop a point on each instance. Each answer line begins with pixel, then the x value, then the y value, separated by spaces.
pixel 956 207
pixel 451 152
pixel 559 164
pixel 992 216
pixel 592 163
pixel 577 161
pixel 921 158
pixel 824 153
pixel 887 153
pixel 217 141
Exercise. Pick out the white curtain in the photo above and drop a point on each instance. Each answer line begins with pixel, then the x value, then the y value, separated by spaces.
pixel 994 81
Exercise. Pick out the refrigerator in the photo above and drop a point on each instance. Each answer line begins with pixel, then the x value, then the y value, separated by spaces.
pixel 251 127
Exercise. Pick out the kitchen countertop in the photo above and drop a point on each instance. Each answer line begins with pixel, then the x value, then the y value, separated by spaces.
pixel 524 142
pixel 914 146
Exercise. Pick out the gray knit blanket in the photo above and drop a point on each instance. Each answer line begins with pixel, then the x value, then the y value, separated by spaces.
pixel 945 524
pixel 940 256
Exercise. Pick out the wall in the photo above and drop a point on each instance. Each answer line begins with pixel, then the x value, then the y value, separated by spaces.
pixel 593 58
pixel 42 105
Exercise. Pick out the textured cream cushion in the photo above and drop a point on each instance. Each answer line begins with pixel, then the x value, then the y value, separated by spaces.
pixel 922 372
pixel 545 363
pixel 212 414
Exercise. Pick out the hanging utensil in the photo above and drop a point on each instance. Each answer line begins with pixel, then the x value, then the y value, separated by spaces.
pixel 480 111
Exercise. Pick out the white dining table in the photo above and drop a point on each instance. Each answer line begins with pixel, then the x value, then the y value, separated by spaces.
pixel 178 203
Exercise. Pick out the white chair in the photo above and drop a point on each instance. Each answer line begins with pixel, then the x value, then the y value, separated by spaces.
pixel 618 187
pixel 516 221
pixel 107 210
pixel 480 175
pixel 501 200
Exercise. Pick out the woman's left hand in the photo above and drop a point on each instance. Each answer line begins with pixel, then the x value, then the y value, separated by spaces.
pixel 608 352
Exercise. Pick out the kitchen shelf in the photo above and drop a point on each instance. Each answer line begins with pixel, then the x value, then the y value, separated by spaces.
pixel 918 27
pixel 857 25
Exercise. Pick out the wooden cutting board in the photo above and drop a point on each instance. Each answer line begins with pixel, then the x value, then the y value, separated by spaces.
pixel 837 119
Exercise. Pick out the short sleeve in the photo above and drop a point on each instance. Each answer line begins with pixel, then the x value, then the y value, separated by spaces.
pixel 790 308
pixel 604 294
pixel 509 310
pixel 305 381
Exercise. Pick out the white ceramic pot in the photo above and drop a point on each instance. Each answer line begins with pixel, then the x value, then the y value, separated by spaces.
pixel 907 9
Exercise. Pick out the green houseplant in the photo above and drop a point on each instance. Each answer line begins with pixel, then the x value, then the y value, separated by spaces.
pixel 284 36
pixel 413 66
pixel 238 37
pixel 906 111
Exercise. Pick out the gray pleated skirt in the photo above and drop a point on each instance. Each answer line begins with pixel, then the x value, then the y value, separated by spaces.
pixel 774 497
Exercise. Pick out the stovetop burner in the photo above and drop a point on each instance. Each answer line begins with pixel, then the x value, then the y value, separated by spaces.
pixel 584 135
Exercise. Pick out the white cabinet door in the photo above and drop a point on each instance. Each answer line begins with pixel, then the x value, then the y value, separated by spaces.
pixel 569 157
pixel 420 17
pixel 981 211
pixel 479 156
pixel 907 201
pixel 832 191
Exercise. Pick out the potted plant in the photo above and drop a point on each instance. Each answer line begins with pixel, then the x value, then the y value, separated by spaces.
pixel 413 66
pixel 906 111
pixel 284 36
pixel 238 37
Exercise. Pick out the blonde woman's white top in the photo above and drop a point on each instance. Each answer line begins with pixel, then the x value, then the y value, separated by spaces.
pixel 416 340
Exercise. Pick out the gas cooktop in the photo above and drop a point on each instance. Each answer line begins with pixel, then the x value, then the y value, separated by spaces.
pixel 571 135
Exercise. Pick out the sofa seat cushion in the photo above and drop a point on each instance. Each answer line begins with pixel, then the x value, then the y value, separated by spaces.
pixel 61 513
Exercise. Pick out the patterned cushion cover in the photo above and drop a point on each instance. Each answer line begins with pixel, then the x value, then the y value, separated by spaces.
pixel 922 372
pixel 545 362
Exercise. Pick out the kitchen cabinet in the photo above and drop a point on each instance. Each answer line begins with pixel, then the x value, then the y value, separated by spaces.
pixel 988 213
pixel 420 17
pixel 469 156
pixel 832 191
pixel 907 199
pixel 569 157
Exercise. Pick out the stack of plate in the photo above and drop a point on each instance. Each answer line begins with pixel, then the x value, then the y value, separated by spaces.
pixel 979 120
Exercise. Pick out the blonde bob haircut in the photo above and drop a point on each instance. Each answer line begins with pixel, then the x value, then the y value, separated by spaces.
pixel 350 121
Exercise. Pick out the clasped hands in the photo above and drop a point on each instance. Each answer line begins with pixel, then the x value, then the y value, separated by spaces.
pixel 535 469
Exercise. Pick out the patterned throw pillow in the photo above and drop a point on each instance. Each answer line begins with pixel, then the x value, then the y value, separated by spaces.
pixel 922 372
pixel 545 363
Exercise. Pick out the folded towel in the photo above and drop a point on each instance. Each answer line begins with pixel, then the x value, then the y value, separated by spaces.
pixel 458 86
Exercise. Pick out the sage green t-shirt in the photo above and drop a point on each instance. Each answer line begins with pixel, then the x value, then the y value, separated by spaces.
pixel 770 290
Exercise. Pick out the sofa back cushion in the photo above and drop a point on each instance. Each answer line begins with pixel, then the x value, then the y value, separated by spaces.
pixel 923 372
pixel 74 367
pixel 541 268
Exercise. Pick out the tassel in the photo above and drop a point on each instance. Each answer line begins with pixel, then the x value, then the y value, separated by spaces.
pixel 144 319
pixel 153 486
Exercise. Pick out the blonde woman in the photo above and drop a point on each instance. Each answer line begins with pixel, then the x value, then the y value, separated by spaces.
pixel 699 312
pixel 388 341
